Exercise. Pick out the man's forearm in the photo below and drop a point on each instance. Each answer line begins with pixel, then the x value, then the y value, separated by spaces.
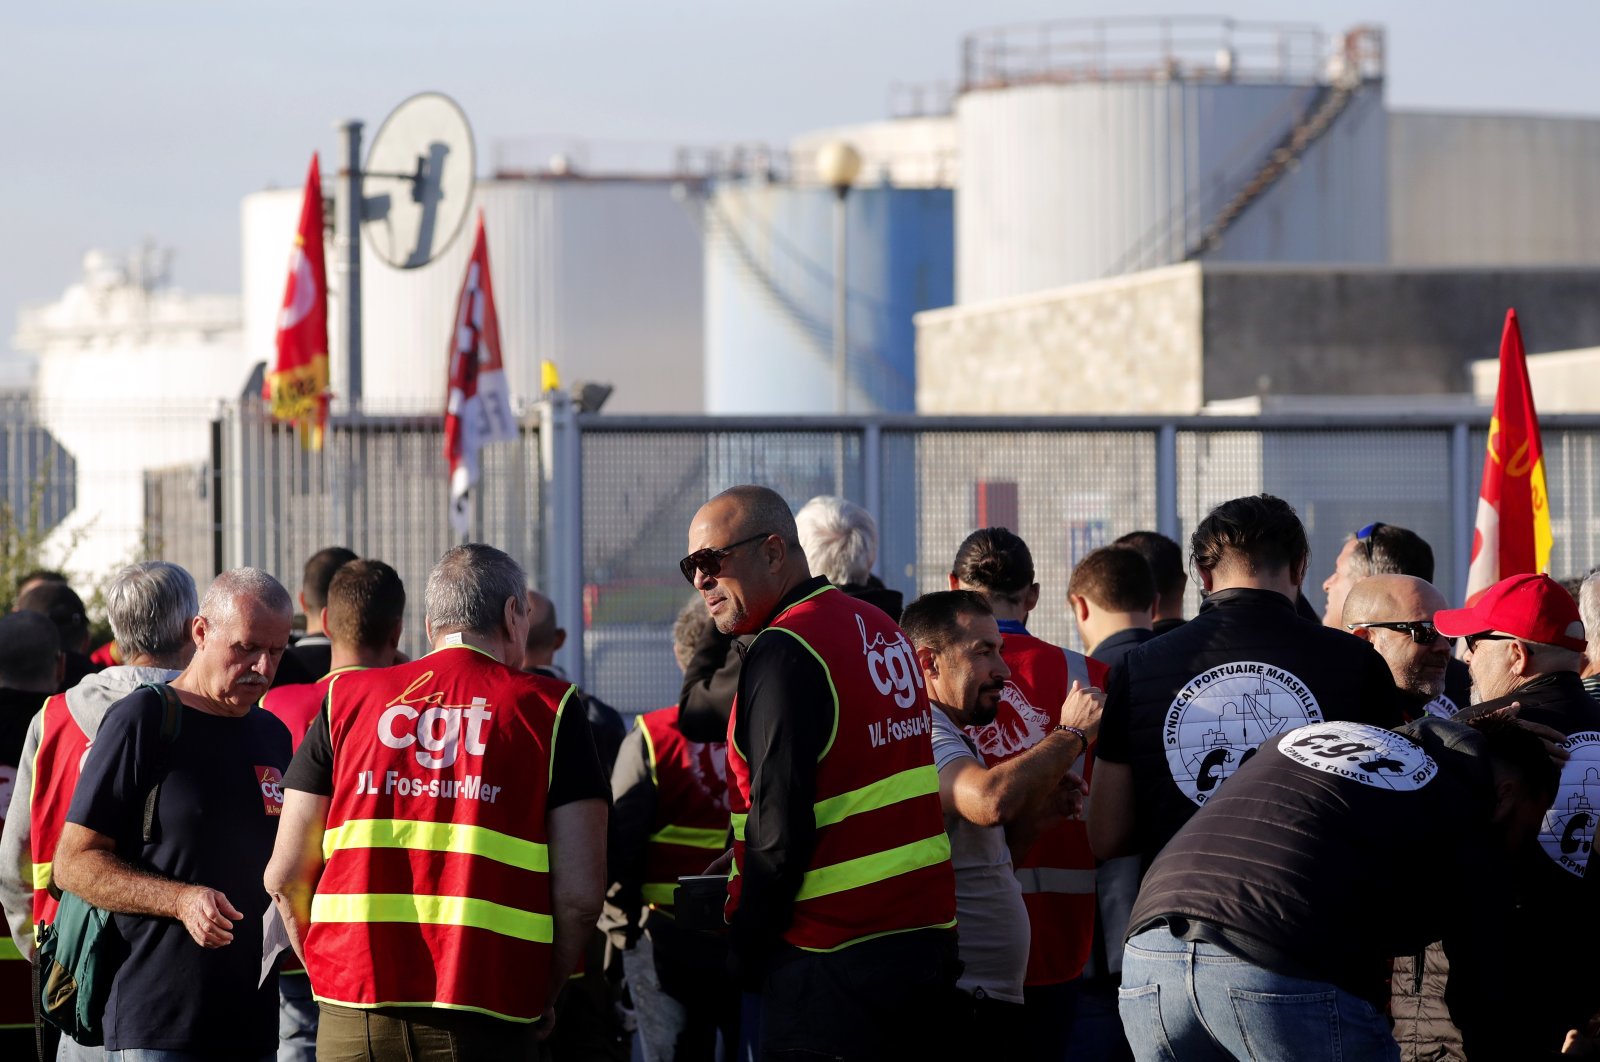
pixel 1022 780
pixel 113 884
pixel 573 928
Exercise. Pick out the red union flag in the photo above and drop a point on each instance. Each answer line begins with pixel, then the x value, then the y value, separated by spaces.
pixel 478 409
pixel 296 389
pixel 1513 526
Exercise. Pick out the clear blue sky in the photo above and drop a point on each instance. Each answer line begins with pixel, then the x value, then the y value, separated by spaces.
pixel 124 121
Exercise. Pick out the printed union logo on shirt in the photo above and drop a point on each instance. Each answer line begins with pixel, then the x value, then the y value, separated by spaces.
pixel 1366 754
pixel 270 780
pixel 1221 716
pixel 1569 826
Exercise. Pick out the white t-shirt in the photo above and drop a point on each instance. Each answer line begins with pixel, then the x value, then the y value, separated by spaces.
pixel 991 919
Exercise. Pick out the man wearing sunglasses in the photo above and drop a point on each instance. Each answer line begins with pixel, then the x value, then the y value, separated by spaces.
pixel 1376 549
pixel 1394 613
pixel 1525 645
pixel 841 902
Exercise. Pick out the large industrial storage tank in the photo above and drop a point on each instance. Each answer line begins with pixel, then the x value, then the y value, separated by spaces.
pixel 601 275
pixel 1091 149
pixel 770 293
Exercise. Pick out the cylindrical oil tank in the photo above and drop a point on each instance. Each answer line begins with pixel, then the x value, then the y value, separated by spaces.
pixel 1069 182
pixel 770 293
pixel 601 276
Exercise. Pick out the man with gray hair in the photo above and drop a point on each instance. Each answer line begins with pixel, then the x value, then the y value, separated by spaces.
pixel 1589 610
pixel 840 541
pixel 441 861
pixel 171 825
pixel 150 607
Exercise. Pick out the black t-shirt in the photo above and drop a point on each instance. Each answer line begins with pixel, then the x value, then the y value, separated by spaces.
pixel 575 775
pixel 215 825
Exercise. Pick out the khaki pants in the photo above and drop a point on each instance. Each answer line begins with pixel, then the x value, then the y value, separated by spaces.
pixel 419 1034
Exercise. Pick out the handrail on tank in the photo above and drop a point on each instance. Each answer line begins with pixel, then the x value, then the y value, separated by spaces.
pixel 1173 47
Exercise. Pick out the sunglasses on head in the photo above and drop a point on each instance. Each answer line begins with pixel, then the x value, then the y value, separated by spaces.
pixel 1423 632
pixel 708 562
pixel 1364 536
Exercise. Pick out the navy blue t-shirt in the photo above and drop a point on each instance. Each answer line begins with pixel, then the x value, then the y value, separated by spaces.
pixel 216 820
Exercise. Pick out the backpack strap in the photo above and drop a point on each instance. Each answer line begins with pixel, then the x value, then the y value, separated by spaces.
pixel 171 726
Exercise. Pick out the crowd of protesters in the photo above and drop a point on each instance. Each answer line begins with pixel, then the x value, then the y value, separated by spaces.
pixel 869 828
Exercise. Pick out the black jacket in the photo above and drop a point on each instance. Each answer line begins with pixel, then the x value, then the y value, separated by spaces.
pixel 1187 709
pixel 1551 940
pixel 1304 861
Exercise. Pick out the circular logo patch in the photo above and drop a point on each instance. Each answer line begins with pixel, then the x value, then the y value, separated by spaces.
pixel 1366 754
pixel 1220 717
pixel 1569 825
pixel 1441 707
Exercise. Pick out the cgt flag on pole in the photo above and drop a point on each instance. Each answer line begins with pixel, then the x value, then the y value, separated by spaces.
pixel 296 390
pixel 1513 526
pixel 478 410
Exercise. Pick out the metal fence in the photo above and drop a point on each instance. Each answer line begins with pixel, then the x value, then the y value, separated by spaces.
pixel 597 507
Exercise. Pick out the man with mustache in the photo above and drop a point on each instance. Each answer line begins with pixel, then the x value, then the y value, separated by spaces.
pixel 992 814
pixel 171 825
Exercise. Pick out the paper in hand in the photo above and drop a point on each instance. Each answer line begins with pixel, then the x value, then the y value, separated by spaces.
pixel 274 939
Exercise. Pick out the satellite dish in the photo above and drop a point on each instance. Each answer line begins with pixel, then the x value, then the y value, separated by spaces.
pixel 416 187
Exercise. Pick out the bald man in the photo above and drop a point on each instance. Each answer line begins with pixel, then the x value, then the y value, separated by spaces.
pixel 842 899
pixel 1395 614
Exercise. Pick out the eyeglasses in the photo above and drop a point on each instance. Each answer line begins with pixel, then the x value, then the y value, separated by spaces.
pixel 1472 640
pixel 709 561
pixel 1364 536
pixel 1423 632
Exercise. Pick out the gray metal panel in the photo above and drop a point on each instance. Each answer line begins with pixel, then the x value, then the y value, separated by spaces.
pixel 1480 189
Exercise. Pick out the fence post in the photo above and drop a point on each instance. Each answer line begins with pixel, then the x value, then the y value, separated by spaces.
pixel 561 462
pixel 1463 506
pixel 1167 481
pixel 872 470
pixel 218 508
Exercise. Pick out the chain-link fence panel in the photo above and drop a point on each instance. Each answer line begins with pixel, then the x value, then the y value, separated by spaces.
pixel 1063 492
pixel 641 489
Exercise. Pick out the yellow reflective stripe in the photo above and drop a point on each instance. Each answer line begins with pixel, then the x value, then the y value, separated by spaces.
pixel 9 949
pixel 879 866
pixel 432 910
pixel 438 837
pixel 659 894
pixel 692 836
pixel 827 673
pixel 915 782
pixel 736 821
pixel 555 732
pixel 649 750
pixel 41 875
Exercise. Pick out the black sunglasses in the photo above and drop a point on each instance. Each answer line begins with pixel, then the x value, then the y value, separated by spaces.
pixel 1472 640
pixel 1423 632
pixel 1364 536
pixel 709 561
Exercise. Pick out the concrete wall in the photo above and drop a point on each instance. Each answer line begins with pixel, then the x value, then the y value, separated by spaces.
pixel 1488 189
pixel 1563 382
pixel 1171 340
pixel 1380 331
pixel 1131 344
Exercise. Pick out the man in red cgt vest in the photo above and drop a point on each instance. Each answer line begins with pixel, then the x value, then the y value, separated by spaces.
pixel 842 898
pixel 462 811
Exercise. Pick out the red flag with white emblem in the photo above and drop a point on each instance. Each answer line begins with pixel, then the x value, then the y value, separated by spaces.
pixel 296 390
pixel 478 409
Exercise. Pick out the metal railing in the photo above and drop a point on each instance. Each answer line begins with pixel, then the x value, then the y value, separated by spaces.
pixel 597 507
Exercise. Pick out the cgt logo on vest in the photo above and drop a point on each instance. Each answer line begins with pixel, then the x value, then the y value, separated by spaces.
pixel 438 731
pixel 892 665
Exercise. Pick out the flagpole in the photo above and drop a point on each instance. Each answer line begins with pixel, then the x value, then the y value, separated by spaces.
pixel 347 244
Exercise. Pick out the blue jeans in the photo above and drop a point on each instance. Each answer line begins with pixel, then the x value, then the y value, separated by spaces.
pixel 1194 1001
pixel 139 1054
pixel 297 1019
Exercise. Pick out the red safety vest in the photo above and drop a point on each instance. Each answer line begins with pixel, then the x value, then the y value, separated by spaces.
pixel 690 827
pixel 1058 874
pixel 436 891
pixel 881 860
pixel 297 705
pixel 56 764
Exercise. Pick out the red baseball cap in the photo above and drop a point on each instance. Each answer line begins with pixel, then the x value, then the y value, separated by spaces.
pixel 1532 607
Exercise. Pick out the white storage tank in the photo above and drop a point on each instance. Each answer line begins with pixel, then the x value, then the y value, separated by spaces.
pixel 1102 148
pixel 600 275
